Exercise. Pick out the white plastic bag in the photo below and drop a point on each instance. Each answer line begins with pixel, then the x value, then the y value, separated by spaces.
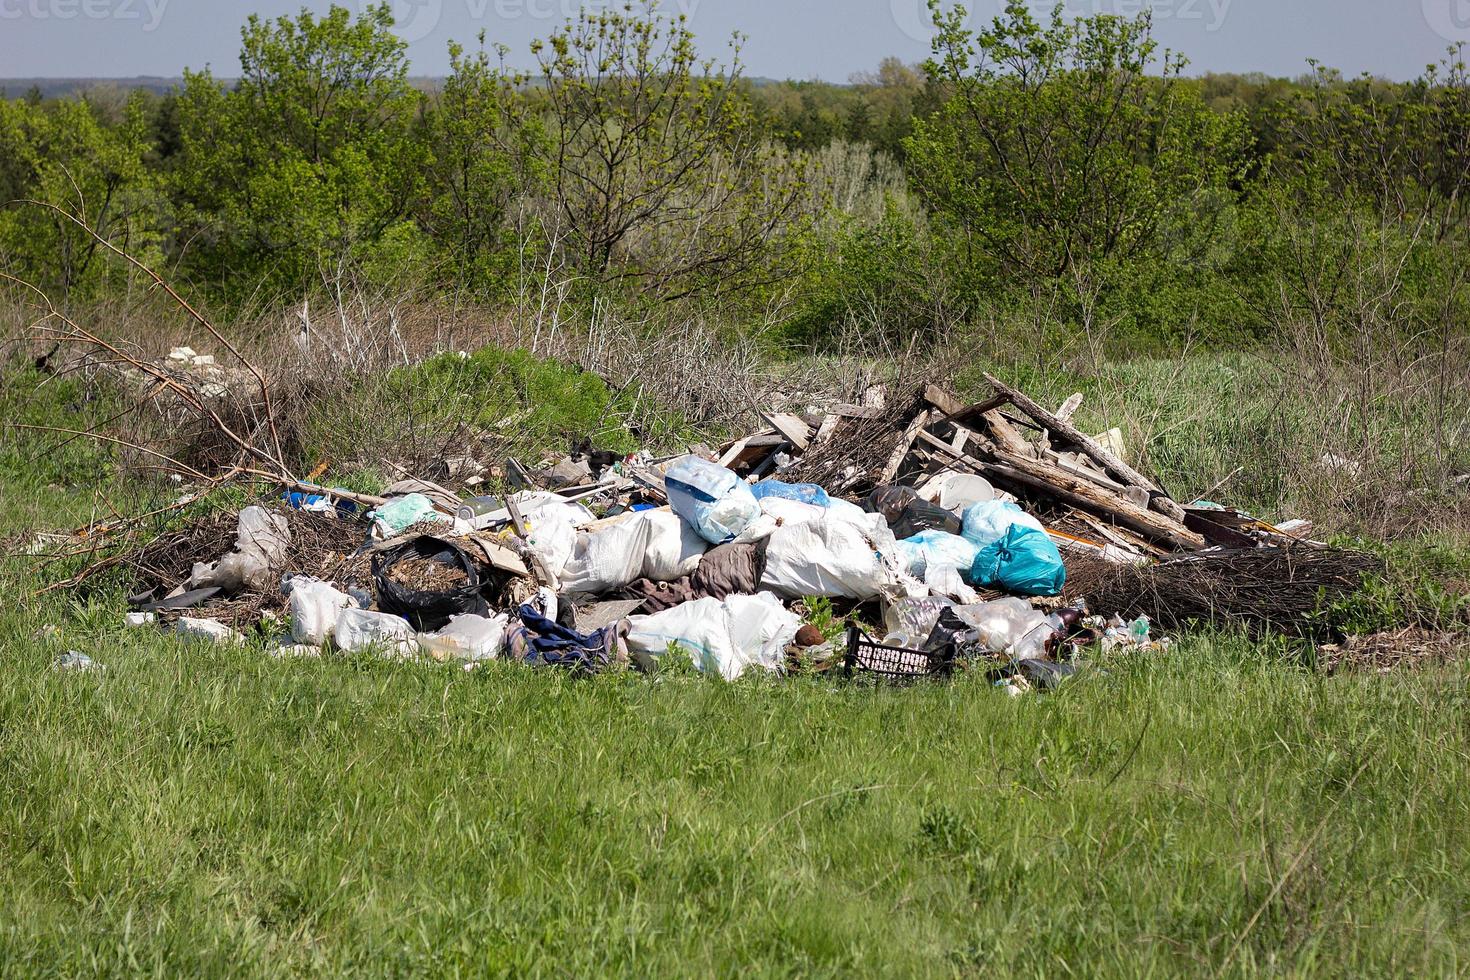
pixel 786 512
pixel 1008 626
pixel 552 535
pixel 849 511
pixel 314 608
pixel 674 547
pixel 722 637
pixel 713 499
pixel 261 539
pixel 608 558
pixel 359 629
pixel 467 637
pixel 830 557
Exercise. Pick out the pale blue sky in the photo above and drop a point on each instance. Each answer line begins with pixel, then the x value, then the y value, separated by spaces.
pixel 828 39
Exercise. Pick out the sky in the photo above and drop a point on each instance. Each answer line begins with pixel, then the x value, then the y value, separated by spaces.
pixel 803 39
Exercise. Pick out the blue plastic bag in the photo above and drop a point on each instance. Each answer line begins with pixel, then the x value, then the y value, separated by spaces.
pixel 1023 562
pixel 715 502
pixel 989 520
pixel 806 493
pixel 936 548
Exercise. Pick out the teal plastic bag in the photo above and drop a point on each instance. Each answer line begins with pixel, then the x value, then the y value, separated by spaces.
pixel 1023 562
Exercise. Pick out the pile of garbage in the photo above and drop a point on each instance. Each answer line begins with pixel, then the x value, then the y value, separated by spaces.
pixel 919 540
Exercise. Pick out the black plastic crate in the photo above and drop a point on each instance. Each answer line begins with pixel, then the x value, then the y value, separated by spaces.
pixel 867 657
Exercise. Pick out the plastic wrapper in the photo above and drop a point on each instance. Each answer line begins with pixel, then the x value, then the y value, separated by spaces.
pixel 363 629
pixel 909 617
pixel 806 493
pixel 401 513
pixel 1009 627
pixel 715 502
pixel 261 539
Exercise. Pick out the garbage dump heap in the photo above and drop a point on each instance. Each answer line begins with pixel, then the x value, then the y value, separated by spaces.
pixel 994 536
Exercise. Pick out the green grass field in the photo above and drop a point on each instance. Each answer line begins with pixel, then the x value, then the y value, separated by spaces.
pixel 1216 809
pixel 192 811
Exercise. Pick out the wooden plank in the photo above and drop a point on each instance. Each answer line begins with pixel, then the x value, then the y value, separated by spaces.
pixel 944 400
pixel 1112 535
pixel 539 572
pixel 829 426
pixel 1070 406
pixel 905 443
pixel 1112 464
pixel 794 429
pixel 961 439
pixel 1006 435
pixel 1081 493
pixel 970 415
pixel 733 453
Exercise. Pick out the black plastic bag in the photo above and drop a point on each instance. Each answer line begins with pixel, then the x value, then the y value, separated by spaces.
pixel 425 609
pixel 907 513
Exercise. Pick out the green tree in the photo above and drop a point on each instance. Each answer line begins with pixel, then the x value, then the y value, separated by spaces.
pixel 482 163
pixel 660 175
pixel 60 153
pixel 310 160
pixel 1054 146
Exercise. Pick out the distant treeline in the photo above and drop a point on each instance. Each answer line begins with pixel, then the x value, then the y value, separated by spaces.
pixel 1061 176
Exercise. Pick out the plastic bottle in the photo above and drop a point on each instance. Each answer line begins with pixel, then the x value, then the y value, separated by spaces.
pixel 477 507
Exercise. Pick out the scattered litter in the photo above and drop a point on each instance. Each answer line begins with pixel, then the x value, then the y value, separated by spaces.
pixel 209 629
pixel 314 609
pixel 993 537
pixel 73 660
pixel 260 546
pixel 402 513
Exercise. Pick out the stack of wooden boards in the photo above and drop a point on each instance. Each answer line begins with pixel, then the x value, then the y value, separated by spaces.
pixel 1078 482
